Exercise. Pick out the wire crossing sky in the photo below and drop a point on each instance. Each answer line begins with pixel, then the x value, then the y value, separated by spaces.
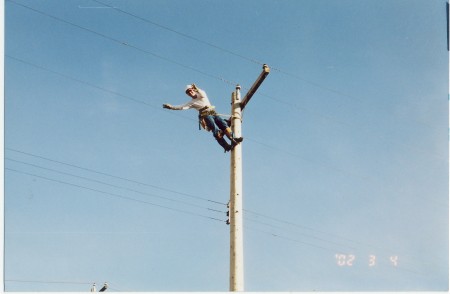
pixel 345 151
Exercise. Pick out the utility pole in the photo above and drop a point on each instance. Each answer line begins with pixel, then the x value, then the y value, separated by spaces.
pixel 236 210
pixel 103 289
pixel 236 234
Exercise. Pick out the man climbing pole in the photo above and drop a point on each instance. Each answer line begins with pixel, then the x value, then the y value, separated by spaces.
pixel 208 118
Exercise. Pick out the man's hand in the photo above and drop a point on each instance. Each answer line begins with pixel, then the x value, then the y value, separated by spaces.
pixel 168 106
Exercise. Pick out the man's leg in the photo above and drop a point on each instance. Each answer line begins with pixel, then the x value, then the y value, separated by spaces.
pixel 223 125
pixel 209 120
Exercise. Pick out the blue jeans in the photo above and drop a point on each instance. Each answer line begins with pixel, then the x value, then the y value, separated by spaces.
pixel 215 123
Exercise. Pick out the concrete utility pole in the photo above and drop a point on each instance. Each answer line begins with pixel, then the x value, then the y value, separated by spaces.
pixel 236 211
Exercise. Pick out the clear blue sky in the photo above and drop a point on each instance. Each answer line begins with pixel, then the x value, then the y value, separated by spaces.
pixel 345 150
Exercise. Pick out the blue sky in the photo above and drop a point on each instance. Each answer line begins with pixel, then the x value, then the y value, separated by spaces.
pixel 345 156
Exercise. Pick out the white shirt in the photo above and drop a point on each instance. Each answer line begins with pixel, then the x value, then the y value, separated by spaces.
pixel 197 103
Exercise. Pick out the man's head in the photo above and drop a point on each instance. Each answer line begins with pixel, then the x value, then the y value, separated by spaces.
pixel 190 91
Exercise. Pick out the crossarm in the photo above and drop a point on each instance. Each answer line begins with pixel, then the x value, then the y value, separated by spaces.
pixel 255 86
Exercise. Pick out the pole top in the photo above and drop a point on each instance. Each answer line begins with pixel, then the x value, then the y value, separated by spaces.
pixel 238 87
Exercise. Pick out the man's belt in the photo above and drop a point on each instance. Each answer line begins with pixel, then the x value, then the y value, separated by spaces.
pixel 207 110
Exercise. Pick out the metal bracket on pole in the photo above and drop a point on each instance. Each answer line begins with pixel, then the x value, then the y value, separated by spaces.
pixel 255 86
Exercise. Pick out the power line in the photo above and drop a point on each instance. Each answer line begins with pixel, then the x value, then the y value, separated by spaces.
pixel 182 211
pixel 147 52
pixel 55 282
pixel 325 248
pixel 143 102
pixel 115 176
pixel 174 113
pixel 278 220
pixel 170 60
pixel 117 41
pixel 47 282
pixel 295 76
pixel 312 161
pixel 256 221
pixel 297 233
pixel 115 195
pixel 291 239
pixel 173 61
pixel 180 33
pixel 266 217
pixel 238 55
pixel 124 43
pixel 343 241
pixel 112 185
pixel 95 86
pixel 163 58
pixel 176 210
pixel 369 179
pixel 146 20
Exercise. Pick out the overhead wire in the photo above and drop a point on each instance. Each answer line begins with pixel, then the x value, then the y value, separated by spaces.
pixel 138 101
pixel 124 43
pixel 324 164
pixel 333 250
pixel 114 186
pixel 317 242
pixel 343 171
pixel 276 235
pixel 109 194
pixel 146 20
pixel 292 224
pixel 56 282
pixel 195 69
pixel 309 236
pixel 340 170
pixel 180 33
pixel 158 107
pixel 95 86
pixel 368 179
pixel 343 245
pixel 130 180
pixel 292 75
pixel 47 282
pixel 247 216
pixel 171 60
pixel 116 177
pixel 209 200
pixel 183 202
